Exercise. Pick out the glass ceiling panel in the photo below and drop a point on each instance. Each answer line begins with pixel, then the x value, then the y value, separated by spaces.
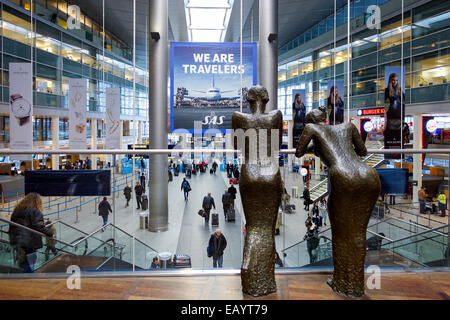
pixel 207 18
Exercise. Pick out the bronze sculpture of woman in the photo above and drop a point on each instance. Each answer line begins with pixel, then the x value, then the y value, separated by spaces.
pixel 261 189
pixel 354 189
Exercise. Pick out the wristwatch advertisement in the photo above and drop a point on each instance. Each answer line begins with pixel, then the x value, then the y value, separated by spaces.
pixel 21 108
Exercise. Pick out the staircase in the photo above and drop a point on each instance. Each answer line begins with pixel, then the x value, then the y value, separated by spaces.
pixel 321 189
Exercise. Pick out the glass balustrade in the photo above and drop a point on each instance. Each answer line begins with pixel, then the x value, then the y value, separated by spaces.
pixel 396 235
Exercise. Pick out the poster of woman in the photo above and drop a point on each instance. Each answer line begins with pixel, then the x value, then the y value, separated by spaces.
pixel 335 103
pixel 298 113
pixel 394 104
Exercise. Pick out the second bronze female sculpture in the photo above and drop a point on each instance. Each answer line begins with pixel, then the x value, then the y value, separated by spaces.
pixel 354 189
pixel 260 187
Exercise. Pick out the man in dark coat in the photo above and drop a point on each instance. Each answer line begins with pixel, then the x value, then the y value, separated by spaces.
pixel 217 244
pixel 127 193
pixel 138 191
pixel 104 208
pixel 227 202
pixel 232 190
pixel 236 173
pixel 208 204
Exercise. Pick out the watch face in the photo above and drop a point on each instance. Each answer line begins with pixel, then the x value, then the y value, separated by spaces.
pixel 21 108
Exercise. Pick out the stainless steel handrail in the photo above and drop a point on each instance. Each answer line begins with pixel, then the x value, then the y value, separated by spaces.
pixel 34 231
pixel 189 151
pixel 378 235
pixel 91 234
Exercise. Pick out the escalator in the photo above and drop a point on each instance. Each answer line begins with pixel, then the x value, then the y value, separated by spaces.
pixel 107 248
pixel 401 243
pixel 374 160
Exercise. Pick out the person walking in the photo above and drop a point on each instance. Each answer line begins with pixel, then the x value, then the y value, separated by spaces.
pixel 422 195
pixel 232 190
pixel 217 244
pixel 185 187
pixel 323 210
pixel 170 175
pixel 312 241
pixel 214 167
pixel 227 202
pixel 315 214
pixel 104 208
pixel 307 198
pixel 442 201
pixel 138 191
pixel 28 213
pixel 127 194
pixel 236 173
pixel 208 204
pixel 50 242
pixel 142 179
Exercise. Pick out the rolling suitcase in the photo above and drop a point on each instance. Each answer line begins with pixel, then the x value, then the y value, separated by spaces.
pixel 233 181
pixel 231 214
pixel 176 173
pixel 215 219
pixel 181 261
pixel 144 202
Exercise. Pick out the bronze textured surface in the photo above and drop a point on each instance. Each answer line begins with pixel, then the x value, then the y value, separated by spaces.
pixel 260 187
pixel 354 189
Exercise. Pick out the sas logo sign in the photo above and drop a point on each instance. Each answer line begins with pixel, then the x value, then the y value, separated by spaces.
pixel 214 120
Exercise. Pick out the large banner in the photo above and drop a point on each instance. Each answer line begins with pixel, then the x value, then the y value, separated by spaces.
pixel 205 83
pixel 394 103
pixel 77 113
pixel 335 101
pixel 21 108
pixel 113 118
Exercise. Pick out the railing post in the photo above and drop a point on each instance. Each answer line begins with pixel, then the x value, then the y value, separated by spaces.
pixel 95 205
pixel 58 211
pixel 65 201
pixel 3 199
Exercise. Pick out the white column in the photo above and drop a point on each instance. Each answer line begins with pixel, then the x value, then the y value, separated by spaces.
pixel 93 157
pixel 55 142
pixel 417 158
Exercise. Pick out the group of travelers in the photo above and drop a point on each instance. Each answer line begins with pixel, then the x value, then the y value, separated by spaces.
pixel 232 171
pixel 441 199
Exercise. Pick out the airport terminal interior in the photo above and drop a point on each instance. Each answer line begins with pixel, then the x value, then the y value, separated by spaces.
pixel 126 100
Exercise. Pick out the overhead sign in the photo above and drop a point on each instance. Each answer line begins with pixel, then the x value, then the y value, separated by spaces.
pixel 77 113
pixel 371 112
pixel 205 83
pixel 21 108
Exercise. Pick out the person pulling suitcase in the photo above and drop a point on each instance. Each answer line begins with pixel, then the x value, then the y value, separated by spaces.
pixel 208 204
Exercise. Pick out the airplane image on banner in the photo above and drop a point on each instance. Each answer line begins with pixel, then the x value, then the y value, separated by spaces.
pixel 213 94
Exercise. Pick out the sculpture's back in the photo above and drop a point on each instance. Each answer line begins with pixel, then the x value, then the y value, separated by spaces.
pixel 260 187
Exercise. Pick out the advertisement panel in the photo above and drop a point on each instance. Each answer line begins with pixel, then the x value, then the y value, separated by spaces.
pixel 113 118
pixel 77 113
pixel 205 83
pixel 335 101
pixel 297 113
pixel 21 108
pixel 394 104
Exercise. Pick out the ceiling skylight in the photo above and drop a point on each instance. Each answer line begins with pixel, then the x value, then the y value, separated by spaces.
pixel 207 20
